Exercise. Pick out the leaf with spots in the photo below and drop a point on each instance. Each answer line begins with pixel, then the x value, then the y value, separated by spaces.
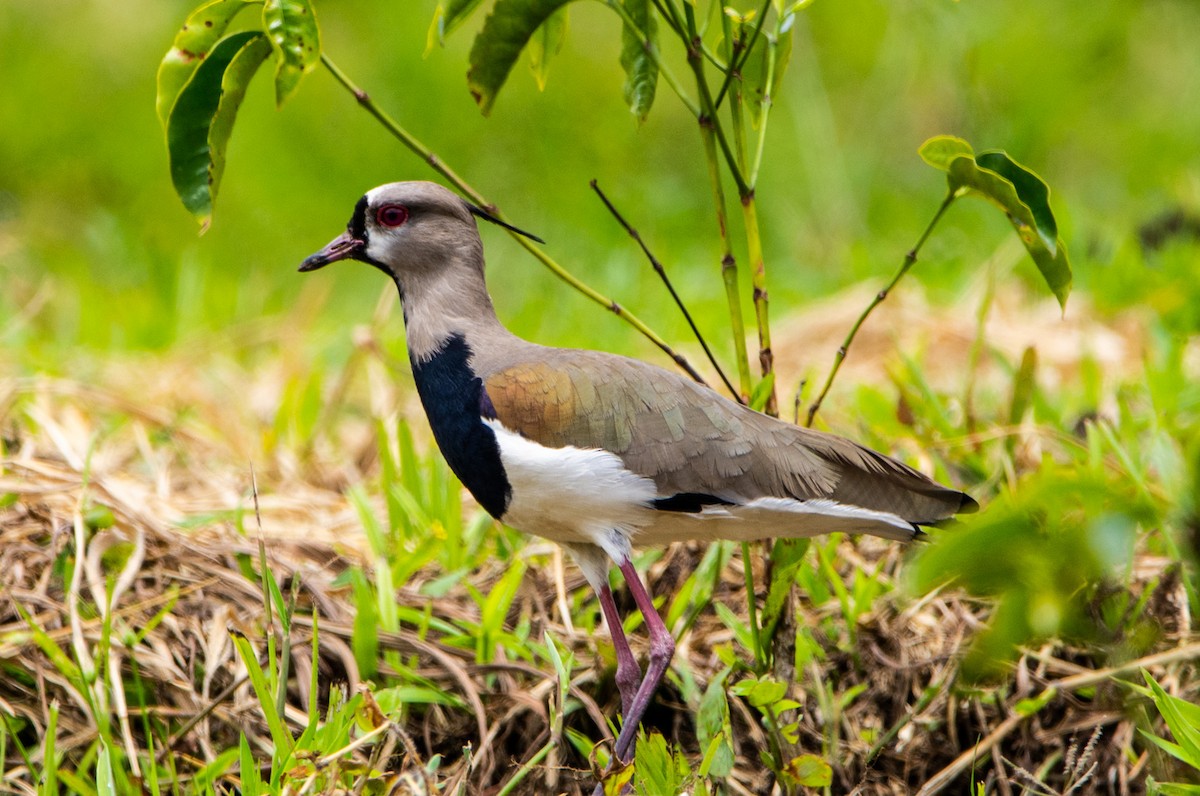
pixel 641 70
pixel 505 34
pixel 202 118
pixel 203 29
pixel 1020 193
pixel 292 27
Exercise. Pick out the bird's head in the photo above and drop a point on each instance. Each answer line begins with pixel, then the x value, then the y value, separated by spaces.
pixel 408 228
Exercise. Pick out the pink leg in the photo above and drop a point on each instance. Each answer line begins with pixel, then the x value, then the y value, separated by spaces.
pixel 629 674
pixel 662 647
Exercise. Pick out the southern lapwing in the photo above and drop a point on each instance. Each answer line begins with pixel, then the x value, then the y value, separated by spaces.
pixel 598 452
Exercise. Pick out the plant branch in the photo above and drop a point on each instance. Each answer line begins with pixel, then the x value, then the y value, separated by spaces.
pixel 658 268
pixel 909 259
pixel 729 270
pixel 754 250
pixel 423 152
pixel 735 63
pixel 708 110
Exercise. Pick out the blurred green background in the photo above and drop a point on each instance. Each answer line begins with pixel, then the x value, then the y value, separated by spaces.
pixel 1101 98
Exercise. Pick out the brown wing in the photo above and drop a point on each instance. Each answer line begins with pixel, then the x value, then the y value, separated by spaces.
pixel 691 441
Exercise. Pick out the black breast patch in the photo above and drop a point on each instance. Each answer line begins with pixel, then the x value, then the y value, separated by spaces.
pixel 456 402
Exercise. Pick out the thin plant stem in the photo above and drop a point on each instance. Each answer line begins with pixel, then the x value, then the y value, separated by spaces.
pixel 735 63
pixel 754 250
pixel 768 101
pixel 909 259
pixel 707 107
pixel 760 661
pixel 758 280
pixel 729 269
pixel 662 273
pixel 418 148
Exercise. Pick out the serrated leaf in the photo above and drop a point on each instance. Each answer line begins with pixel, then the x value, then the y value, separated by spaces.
pixel 641 70
pixel 545 43
pixel 292 28
pixel 202 119
pixel 203 29
pixel 504 35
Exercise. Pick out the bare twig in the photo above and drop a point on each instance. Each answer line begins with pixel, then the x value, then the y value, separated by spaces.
pixel 909 259
pixel 658 269
pixel 436 163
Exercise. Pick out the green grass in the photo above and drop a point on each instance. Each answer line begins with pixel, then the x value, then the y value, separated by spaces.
pixel 1086 547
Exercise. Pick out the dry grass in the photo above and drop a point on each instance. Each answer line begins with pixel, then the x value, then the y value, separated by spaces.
pixel 165 448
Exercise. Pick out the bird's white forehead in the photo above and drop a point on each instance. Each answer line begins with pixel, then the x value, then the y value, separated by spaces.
pixel 374 194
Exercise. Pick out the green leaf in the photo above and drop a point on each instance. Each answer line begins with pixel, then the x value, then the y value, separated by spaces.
pixel 757 67
pixel 202 119
pixel 941 150
pixel 641 70
pixel 447 18
pixel 505 33
pixel 105 785
pixel 787 556
pixel 1182 718
pixel 1023 386
pixel 545 43
pixel 1020 193
pixel 195 39
pixel 657 771
pixel 1034 193
pixel 291 26
pixel 251 779
pixel 810 771
pixel 713 728
pixel 762 392
pixel 282 737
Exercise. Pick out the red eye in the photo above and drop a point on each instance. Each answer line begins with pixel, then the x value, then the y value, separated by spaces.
pixel 392 215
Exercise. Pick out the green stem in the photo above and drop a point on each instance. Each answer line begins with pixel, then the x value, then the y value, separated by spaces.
pixel 909 259
pixel 708 108
pixel 526 767
pixel 754 250
pixel 760 660
pixel 735 63
pixel 768 101
pixel 426 154
pixel 729 269
pixel 758 280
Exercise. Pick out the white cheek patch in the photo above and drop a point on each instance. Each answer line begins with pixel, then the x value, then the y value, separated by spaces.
pixel 584 490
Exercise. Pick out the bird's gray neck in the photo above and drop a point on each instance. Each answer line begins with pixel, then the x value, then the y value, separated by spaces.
pixel 450 305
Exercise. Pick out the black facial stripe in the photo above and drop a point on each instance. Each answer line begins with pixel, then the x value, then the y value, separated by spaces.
pixel 358 222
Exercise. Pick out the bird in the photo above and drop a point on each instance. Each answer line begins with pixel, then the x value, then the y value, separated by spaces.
pixel 599 452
